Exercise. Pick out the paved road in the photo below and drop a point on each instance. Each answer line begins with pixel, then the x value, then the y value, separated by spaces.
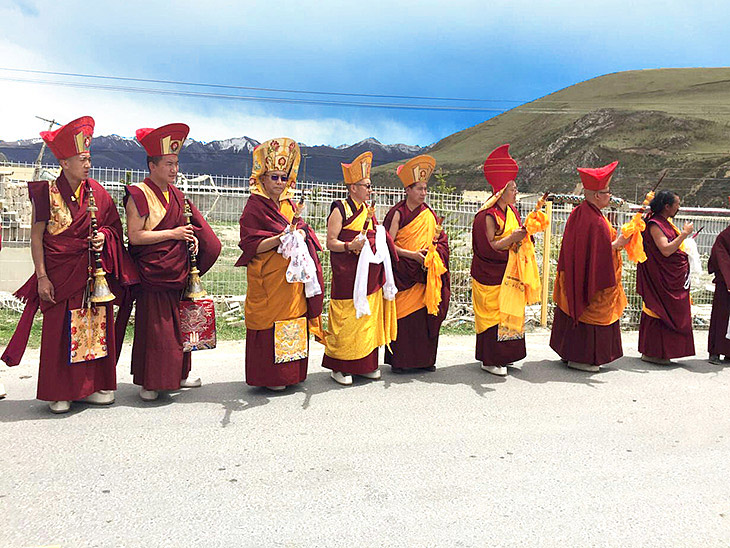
pixel 637 455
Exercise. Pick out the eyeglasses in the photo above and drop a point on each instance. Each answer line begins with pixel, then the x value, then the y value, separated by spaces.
pixel 366 185
pixel 604 192
pixel 275 178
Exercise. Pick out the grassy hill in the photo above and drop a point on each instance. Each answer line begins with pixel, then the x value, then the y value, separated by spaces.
pixel 649 120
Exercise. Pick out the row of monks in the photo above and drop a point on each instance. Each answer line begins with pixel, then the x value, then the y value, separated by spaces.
pixel 390 281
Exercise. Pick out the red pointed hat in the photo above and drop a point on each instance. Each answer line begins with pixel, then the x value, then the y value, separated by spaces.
pixel 71 139
pixel 596 178
pixel 164 140
pixel 500 168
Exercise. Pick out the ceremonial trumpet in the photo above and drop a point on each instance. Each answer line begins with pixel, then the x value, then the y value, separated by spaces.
pixel 99 292
pixel 194 288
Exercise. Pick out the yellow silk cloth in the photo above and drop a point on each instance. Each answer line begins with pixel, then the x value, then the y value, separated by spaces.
pixel 607 305
pixel 632 230
pixel 351 338
pixel 417 235
pixel 156 208
pixel 269 297
pixel 434 270
pixel 521 282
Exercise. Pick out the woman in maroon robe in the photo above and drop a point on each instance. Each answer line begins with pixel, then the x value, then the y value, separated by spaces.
pixel 662 280
pixel 719 265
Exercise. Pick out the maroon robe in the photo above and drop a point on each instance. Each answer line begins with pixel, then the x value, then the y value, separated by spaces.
pixel 262 219
pixel 158 360
pixel 66 257
pixel 344 268
pixel 586 259
pixel 487 268
pixel 719 265
pixel 663 283
pixel 418 333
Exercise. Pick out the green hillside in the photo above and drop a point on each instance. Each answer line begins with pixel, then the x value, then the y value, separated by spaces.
pixel 649 120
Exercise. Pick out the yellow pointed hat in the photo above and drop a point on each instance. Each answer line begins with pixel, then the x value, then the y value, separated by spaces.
pixel 359 169
pixel 416 170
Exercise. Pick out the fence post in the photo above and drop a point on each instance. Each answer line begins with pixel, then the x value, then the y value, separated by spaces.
pixel 546 264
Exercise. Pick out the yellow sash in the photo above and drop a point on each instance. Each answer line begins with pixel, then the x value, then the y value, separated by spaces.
pixel 358 222
pixel 417 235
pixel 156 208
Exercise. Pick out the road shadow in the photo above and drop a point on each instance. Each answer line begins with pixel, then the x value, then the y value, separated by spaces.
pixel 692 364
pixel 546 371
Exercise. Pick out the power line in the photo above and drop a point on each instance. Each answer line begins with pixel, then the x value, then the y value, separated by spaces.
pixel 211 95
pixel 542 100
pixel 269 90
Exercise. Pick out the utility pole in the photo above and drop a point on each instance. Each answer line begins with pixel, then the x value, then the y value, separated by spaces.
pixel 39 159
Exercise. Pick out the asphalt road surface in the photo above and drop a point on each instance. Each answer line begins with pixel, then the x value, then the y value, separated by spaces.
pixel 636 455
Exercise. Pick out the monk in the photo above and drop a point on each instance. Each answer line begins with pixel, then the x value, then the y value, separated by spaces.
pixel 159 237
pixel 663 281
pixel 588 293
pixel 421 273
pixel 72 367
pixel 497 227
pixel 279 314
pixel 362 316
pixel 719 264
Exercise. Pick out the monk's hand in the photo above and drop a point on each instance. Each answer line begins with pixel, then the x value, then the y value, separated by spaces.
pixel 420 256
pixel 620 241
pixel 357 244
pixel 184 232
pixel 194 246
pixel 97 242
pixel 688 229
pixel 45 290
pixel 519 234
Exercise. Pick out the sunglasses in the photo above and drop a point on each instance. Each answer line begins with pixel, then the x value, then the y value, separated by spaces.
pixel 275 178
pixel 364 185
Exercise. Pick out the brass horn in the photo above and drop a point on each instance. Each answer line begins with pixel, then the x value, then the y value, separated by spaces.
pixel 194 289
pixel 100 292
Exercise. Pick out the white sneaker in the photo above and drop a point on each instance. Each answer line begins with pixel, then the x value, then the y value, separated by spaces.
pixel 148 395
pixel 499 370
pixel 375 375
pixel 276 388
pixel 59 406
pixel 341 378
pixel 191 383
pixel 584 367
pixel 102 397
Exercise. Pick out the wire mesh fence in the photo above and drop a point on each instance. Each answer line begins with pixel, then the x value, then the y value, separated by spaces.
pixel 222 198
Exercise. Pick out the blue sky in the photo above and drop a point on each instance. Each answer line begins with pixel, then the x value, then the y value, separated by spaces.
pixel 496 51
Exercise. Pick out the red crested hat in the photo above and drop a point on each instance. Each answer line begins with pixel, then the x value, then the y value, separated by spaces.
pixel 500 168
pixel 71 139
pixel 596 178
pixel 164 140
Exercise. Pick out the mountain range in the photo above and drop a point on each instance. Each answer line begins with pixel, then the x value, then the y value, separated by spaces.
pixel 649 120
pixel 227 157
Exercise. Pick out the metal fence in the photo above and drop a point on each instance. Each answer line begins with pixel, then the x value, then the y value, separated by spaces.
pixel 222 199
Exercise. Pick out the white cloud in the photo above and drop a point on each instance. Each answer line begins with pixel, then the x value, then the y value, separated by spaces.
pixel 122 114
